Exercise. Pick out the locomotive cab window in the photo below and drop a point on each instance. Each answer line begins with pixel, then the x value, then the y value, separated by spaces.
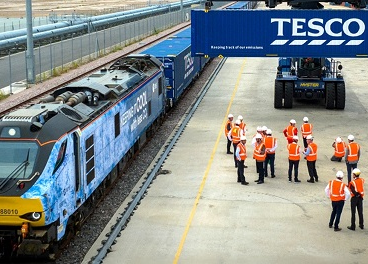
pixel 19 159
pixel 61 155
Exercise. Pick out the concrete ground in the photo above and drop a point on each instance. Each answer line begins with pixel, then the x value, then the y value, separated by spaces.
pixel 199 213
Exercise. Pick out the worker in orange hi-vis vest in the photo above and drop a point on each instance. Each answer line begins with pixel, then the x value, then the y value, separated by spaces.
pixel 253 143
pixel 311 155
pixel 229 125
pixel 259 131
pixel 339 147
pixel 242 125
pixel 294 158
pixel 271 145
pixel 259 154
pixel 338 192
pixel 356 187
pixel 234 135
pixel 241 156
pixel 290 131
pixel 352 155
pixel 306 130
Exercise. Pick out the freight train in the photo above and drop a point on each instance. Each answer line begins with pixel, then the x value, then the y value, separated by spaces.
pixel 60 155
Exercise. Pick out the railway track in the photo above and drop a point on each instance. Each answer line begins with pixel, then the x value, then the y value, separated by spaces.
pixel 31 98
pixel 122 221
pixel 33 95
pixel 28 99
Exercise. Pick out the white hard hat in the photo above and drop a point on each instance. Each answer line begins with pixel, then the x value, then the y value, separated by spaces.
pixel 258 136
pixel 351 137
pixel 295 138
pixel 230 115
pixel 309 137
pixel 237 122
pixel 268 131
pixel 338 140
pixel 305 119
pixel 259 128
pixel 240 117
pixel 264 128
pixel 243 138
pixel 292 121
pixel 356 171
pixel 339 174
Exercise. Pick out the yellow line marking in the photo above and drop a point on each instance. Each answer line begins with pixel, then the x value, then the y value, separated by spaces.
pixel 199 194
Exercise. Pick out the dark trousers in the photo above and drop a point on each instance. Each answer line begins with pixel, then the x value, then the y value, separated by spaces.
pixel 356 203
pixel 270 158
pixel 350 168
pixel 241 177
pixel 260 170
pixel 305 142
pixel 235 160
pixel 336 213
pixel 295 164
pixel 228 146
pixel 312 170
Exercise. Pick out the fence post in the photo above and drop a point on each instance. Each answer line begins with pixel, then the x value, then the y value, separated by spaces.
pixel 10 74
pixel 39 58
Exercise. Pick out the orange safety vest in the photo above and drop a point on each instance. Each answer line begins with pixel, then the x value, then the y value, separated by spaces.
pixel 294 151
pixel 235 134
pixel 340 149
pixel 243 151
pixel 306 129
pixel 257 152
pixel 229 125
pixel 353 151
pixel 337 192
pixel 358 186
pixel 242 126
pixel 290 132
pixel 270 143
pixel 263 137
pixel 313 152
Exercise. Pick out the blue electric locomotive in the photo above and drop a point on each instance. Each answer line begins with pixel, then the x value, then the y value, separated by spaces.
pixel 58 155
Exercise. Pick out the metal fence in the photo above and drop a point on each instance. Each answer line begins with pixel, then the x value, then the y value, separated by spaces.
pixel 57 57
pixel 9 24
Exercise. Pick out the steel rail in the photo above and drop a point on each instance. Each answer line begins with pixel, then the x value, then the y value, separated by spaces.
pixel 124 219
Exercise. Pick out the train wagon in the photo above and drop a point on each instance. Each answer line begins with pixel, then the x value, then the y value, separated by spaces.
pixel 187 33
pixel 180 67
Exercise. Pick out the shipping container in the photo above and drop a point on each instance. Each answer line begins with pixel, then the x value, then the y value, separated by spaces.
pixel 187 33
pixel 280 33
pixel 180 67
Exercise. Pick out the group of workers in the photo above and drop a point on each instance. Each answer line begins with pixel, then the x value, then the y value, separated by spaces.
pixel 310 149
pixel 264 147
pixel 339 192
